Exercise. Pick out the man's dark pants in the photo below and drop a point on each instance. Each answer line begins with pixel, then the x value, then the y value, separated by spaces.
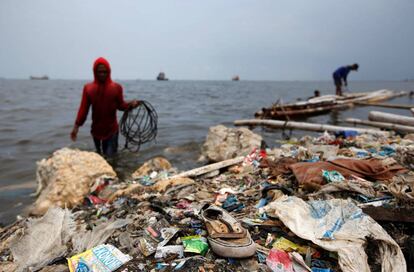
pixel 107 147
pixel 338 84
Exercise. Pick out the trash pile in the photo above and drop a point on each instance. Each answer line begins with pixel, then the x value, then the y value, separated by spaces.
pixel 329 203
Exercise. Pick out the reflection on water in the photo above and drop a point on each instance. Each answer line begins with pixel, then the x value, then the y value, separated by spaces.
pixel 334 117
pixel 36 118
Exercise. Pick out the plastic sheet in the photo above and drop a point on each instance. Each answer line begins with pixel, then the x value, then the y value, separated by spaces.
pixel 44 240
pixel 98 235
pixel 340 226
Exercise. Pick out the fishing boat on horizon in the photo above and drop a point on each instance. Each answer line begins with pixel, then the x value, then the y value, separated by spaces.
pixel 45 77
pixel 161 76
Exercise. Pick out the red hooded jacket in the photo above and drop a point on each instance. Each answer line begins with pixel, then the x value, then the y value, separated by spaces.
pixel 105 99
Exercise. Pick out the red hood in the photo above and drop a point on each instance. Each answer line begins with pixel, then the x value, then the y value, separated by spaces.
pixel 104 62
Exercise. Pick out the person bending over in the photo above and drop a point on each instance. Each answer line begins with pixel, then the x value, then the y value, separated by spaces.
pixel 340 76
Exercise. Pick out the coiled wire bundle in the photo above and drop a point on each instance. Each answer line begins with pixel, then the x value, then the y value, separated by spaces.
pixel 139 125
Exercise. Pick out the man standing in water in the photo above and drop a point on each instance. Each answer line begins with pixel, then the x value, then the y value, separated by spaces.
pixel 340 76
pixel 106 97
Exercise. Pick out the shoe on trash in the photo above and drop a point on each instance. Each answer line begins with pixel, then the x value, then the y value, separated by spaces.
pixel 227 237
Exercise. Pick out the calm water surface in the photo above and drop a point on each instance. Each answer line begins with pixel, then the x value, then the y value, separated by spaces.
pixel 36 118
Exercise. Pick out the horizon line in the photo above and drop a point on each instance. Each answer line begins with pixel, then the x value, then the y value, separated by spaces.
pixel 181 79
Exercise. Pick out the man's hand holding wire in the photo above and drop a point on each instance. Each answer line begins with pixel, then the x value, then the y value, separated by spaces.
pixel 134 103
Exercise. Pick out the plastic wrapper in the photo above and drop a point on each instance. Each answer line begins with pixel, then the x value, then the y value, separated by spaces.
pixel 156 235
pixel 195 244
pixel 317 269
pixel 255 157
pixel 332 176
pixel 286 245
pixel 279 261
pixel 103 258
pixel 164 252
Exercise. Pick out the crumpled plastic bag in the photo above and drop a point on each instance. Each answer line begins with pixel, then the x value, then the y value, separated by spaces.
pixel 402 188
pixel 340 226
pixel 88 239
pixel 359 186
pixel 44 240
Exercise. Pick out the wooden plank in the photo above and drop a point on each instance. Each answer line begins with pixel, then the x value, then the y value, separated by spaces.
pixel 385 105
pixel 305 126
pixel 390 118
pixel 396 127
pixel 390 214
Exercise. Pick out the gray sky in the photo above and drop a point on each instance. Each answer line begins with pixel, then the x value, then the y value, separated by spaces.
pixel 212 39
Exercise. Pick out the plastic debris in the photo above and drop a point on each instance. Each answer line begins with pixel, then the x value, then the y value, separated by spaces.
pixel 165 251
pixel 103 258
pixel 332 176
pixel 195 244
pixel 155 213
pixel 44 239
pixel 286 245
pixel 279 261
pixel 341 227
pixel 316 269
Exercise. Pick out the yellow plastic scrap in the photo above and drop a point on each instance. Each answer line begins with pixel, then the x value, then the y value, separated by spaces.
pixel 284 244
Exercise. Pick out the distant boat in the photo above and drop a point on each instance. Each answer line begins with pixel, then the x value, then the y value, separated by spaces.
pixel 161 76
pixel 236 78
pixel 39 78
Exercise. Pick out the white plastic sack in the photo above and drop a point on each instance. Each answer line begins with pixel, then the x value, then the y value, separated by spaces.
pixel 339 225
pixel 44 240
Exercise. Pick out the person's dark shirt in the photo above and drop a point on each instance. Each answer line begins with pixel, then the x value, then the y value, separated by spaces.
pixel 342 72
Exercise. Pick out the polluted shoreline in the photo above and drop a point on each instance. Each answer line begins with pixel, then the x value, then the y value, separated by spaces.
pixel 332 202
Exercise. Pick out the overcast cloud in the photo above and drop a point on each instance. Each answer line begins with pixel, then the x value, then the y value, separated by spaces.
pixel 213 39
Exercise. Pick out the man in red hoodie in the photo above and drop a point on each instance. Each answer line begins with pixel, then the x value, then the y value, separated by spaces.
pixel 105 97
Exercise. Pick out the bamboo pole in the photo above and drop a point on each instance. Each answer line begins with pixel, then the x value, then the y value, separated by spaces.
pixel 305 126
pixel 208 168
pixel 385 105
pixel 396 127
pixel 390 118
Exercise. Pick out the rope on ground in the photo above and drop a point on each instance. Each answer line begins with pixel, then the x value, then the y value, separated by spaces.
pixel 139 125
